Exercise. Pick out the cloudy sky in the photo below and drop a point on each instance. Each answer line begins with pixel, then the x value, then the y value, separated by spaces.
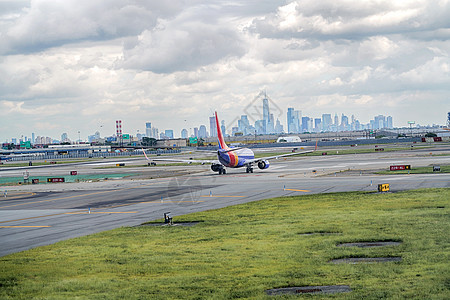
pixel 79 65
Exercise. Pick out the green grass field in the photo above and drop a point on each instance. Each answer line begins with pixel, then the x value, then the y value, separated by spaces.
pixel 240 251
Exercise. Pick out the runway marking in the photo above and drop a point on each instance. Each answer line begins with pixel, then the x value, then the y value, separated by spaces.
pixel 307 191
pixel 76 196
pixel 24 226
pixel 23 219
pixel 221 196
pixel 14 195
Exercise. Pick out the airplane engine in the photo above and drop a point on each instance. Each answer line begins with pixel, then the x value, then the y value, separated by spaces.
pixel 264 164
pixel 216 167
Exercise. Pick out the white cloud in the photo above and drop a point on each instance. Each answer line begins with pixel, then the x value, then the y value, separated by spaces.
pixel 78 65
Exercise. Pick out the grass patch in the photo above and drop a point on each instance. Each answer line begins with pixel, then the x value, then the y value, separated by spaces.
pixel 158 164
pixel 243 250
pixel 416 170
pixel 44 163
pixel 67 178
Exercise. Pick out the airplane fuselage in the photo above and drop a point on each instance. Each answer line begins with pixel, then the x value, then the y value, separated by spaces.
pixel 236 158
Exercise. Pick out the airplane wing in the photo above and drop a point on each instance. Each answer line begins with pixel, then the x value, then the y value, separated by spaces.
pixel 255 160
pixel 187 161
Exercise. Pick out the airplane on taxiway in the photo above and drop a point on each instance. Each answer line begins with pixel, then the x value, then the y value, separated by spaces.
pixel 227 157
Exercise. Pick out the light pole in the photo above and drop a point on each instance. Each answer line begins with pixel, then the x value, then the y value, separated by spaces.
pixel 411 123
pixel 79 138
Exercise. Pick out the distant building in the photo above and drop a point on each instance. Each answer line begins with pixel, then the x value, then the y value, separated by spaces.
pixel 244 125
pixel 64 138
pixel 293 120
pixel 389 122
pixel 326 122
pixel 279 127
pixel 212 126
pixel 317 124
pixel 222 128
pixel 202 133
pixel 260 127
pixel 289 139
pixel 344 123
pixel 305 124
pixel 196 131
pixel 155 133
pixel 170 143
pixel 184 133
pixel 168 133
pixel 148 129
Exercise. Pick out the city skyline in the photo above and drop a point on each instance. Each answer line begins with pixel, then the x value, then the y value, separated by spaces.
pixel 175 64
pixel 326 123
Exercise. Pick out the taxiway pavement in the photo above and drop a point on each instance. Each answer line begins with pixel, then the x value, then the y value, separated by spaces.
pixel 36 215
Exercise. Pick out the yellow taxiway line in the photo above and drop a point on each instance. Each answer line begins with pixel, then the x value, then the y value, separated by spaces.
pixel 297 190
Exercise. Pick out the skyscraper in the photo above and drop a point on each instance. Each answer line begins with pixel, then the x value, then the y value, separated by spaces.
pixel 202 132
pixel 212 126
pixel 148 129
pixel 184 133
pixel 293 120
pixel 222 128
pixel 317 124
pixel 244 125
pixel 389 122
pixel 326 122
pixel 305 124
pixel 344 122
pixel 266 113
pixel 169 133
pixel 278 127
pixel 380 122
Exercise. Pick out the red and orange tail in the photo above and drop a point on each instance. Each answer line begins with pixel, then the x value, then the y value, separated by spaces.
pixel 222 144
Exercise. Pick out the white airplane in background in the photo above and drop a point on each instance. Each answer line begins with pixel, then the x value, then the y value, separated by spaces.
pixel 227 157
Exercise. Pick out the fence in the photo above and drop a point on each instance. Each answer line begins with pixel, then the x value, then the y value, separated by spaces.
pixel 87 155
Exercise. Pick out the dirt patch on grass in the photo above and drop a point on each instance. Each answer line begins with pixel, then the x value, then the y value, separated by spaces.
pixel 174 224
pixel 369 244
pixel 357 260
pixel 325 289
pixel 318 233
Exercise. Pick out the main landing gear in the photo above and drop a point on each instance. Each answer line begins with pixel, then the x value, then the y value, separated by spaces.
pixel 249 169
pixel 219 169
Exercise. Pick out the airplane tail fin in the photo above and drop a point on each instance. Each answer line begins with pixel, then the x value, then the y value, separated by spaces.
pixel 222 144
pixel 146 157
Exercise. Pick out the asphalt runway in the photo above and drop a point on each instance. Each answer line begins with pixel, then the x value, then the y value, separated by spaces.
pixel 36 215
